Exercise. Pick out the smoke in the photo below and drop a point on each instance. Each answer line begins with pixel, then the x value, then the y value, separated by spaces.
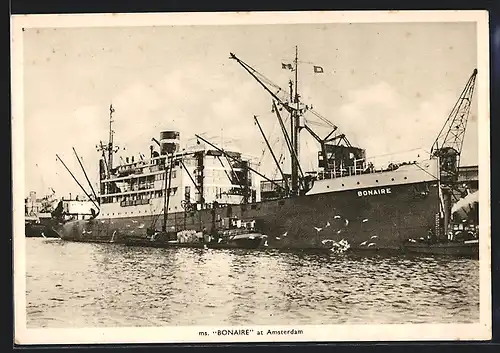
pixel 465 203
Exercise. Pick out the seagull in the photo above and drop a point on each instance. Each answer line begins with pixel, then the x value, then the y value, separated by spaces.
pixel 134 221
pixel 412 240
pixel 285 234
pixel 251 237
pixel 220 239
pixel 128 225
pixel 141 226
pixel 346 222
pixel 371 244
pixel 327 224
pixel 318 229
pixel 327 241
pixel 363 243
pixel 84 231
pixel 89 232
pixel 132 231
pixel 103 221
pixel 205 246
pixel 338 231
pixel 365 220
pixel 336 217
pixel 278 238
pixel 265 243
pixel 374 236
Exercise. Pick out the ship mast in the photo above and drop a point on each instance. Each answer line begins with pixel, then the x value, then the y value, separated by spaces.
pixel 110 143
pixel 295 129
pixel 166 198
pixel 110 148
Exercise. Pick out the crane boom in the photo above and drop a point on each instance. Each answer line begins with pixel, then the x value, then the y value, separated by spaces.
pixel 449 142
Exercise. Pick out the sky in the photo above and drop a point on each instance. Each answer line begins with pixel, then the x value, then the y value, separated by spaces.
pixel 388 86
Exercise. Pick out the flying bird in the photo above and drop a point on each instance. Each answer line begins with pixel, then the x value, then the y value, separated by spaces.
pixel 346 222
pixel 141 226
pixel 265 243
pixel 365 220
pixel 285 234
pixel 363 243
pixel 338 231
pixel 374 236
pixel 327 241
pixel 318 229
pixel 278 238
pixel 371 244
pixel 134 221
pixel 327 224
pixel 336 217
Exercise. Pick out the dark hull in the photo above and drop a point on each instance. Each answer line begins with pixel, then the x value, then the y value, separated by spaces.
pixel 39 231
pixel 446 248
pixel 366 223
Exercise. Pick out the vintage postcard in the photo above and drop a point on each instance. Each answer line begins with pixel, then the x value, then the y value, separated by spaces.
pixel 251 177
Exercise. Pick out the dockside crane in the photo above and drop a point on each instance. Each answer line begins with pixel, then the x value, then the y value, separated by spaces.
pixel 449 142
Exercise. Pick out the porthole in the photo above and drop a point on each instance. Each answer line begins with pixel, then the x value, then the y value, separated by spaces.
pixel 328 186
pixel 342 184
pixel 392 179
pixel 376 180
pixel 357 183
pixel 406 178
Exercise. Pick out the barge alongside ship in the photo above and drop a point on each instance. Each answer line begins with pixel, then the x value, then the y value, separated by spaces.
pixel 210 191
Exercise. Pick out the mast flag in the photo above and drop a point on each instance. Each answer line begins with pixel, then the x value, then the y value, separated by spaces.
pixel 287 66
pixel 318 69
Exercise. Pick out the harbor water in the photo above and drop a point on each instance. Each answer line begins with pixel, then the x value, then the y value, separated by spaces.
pixel 76 285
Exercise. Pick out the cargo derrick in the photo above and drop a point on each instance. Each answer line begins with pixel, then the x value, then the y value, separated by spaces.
pixel 336 154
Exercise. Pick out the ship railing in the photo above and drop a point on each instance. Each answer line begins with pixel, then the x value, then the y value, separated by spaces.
pixel 367 168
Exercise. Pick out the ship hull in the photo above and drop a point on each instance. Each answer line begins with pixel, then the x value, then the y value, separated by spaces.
pixel 367 220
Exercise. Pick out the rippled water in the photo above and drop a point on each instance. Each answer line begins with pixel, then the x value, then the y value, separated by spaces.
pixel 88 285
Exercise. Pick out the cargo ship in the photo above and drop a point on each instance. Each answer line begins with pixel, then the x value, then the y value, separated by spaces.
pixel 347 203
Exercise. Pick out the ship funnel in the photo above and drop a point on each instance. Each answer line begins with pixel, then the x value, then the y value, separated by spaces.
pixel 169 142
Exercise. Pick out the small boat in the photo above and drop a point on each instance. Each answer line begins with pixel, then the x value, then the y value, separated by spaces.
pixel 467 248
pixel 246 240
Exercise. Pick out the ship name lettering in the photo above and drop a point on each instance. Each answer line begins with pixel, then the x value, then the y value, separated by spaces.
pixel 374 192
pixel 245 332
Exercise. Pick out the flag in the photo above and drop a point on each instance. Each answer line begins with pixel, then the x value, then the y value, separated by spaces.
pixel 287 66
pixel 318 69
pixel 111 109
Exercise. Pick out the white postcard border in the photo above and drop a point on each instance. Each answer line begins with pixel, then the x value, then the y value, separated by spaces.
pixel 480 331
